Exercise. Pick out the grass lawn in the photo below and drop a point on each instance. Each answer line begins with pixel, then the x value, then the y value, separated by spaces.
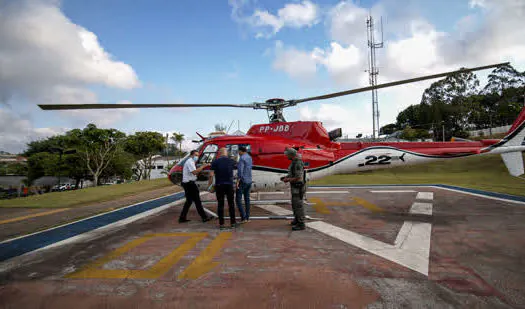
pixel 484 172
pixel 86 196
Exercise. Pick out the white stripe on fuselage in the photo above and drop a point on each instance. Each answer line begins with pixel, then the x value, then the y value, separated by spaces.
pixel 365 160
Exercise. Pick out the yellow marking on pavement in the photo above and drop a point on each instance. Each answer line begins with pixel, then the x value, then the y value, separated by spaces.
pixel 319 205
pixel 93 270
pixel 322 206
pixel 40 214
pixel 366 204
pixel 203 263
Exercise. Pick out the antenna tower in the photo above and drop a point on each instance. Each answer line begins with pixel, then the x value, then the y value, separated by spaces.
pixel 373 71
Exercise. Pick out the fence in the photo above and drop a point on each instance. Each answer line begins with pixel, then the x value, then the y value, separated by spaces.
pixel 490 131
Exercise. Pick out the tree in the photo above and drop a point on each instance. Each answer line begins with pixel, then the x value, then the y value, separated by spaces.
pixel 414 134
pixel 96 146
pixel 74 167
pixel 40 164
pixel 455 85
pixel 121 165
pixel 443 104
pixel 220 127
pixel 178 138
pixel 13 169
pixel 502 77
pixel 70 165
pixel 388 129
pixel 410 116
pixel 144 145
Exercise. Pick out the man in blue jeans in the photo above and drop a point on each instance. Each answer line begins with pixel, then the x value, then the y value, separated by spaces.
pixel 244 183
pixel 222 169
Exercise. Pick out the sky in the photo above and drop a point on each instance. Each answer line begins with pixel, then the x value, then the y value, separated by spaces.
pixel 232 51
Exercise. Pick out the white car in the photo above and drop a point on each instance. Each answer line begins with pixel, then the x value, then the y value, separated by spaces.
pixel 65 187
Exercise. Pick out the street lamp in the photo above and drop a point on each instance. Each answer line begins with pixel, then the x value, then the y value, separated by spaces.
pixel 61 151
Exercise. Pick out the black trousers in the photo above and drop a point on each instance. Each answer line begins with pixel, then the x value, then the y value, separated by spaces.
pixel 221 191
pixel 192 195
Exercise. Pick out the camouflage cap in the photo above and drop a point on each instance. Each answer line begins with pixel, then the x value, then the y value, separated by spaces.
pixel 290 151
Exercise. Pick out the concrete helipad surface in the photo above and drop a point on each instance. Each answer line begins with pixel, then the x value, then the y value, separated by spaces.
pixel 380 247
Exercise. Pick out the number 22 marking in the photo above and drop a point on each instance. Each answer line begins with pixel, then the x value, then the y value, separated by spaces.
pixel 374 160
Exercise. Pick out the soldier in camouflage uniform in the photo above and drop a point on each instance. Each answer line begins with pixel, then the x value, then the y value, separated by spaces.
pixel 297 186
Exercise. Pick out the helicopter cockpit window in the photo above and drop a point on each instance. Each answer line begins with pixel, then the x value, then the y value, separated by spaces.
pixel 208 154
pixel 233 150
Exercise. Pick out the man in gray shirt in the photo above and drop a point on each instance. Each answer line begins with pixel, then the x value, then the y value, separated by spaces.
pixel 244 183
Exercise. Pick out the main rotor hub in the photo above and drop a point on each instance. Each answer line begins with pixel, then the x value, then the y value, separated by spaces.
pixel 275 108
pixel 275 102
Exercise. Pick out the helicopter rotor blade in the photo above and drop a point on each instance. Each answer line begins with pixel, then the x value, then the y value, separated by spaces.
pixel 396 83
pixel 118 106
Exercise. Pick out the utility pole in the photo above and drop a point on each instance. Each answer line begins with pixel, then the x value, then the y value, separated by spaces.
pixel 373 71
pixel 167 149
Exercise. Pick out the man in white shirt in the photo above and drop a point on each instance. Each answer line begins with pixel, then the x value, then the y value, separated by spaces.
pixel 189 176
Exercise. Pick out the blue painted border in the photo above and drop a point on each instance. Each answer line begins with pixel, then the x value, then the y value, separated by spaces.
pixel 469 190
pixel 29 243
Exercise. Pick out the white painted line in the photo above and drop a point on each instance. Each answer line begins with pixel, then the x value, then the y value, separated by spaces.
pixel 276 192
pixel 393 191
pixel 327 192
pixel 413 252
pixel 366 187
pixel 88 236
pixel 272 218
pixel 421 208
pixel 276 210
pixel 209 212
pixel 403 233
pixel 435 187
pixel 425 196
pixel 101 214
pixel 481 195
pixel 252 202
pixel 411 249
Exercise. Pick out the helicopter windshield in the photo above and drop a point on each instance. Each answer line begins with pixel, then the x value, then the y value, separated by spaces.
pixel 208 154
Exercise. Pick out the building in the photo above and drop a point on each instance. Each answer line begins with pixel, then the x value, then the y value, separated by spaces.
pixel 159 166
pixel 11 158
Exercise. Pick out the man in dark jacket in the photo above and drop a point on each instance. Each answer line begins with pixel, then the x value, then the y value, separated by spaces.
pixel 222 170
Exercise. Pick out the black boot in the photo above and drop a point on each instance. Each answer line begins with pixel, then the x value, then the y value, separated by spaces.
pixel 298 227
pixel 294 222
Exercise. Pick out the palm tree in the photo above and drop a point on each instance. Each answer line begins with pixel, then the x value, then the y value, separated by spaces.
pixel 178 138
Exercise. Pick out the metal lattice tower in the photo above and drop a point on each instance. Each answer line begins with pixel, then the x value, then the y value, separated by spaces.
pixel 373 71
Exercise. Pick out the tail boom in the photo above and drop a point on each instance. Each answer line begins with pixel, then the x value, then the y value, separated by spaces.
pixel 512 146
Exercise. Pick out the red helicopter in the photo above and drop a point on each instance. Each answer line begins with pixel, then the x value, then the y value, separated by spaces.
pixel 319 150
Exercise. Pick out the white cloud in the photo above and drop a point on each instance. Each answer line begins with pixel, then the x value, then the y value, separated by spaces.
pixel 417 54
pixel 344 64
pixel 298 64
pixel 266 24
pixel 43 52
pixel 415 48
pixel 16 132
pixel 299 15
pixel 46 58
pixel 334 116
pixel 341 62
pixel 477 3
pixel 344 20
pixel 498 36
